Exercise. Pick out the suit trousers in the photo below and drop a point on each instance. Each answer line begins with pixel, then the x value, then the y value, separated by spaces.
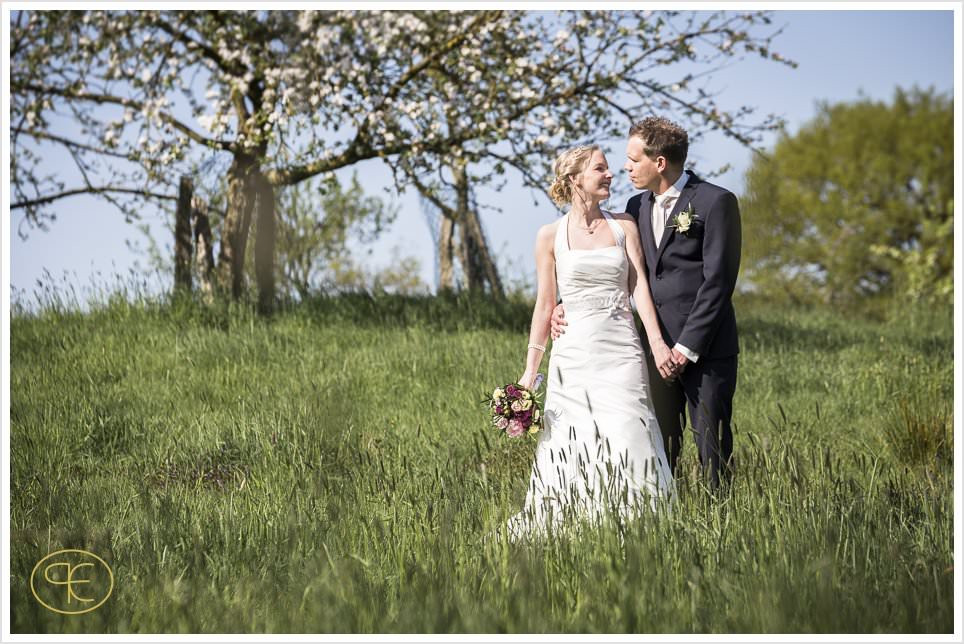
pixel 705 391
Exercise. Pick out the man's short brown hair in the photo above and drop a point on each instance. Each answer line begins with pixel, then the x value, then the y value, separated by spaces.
pixel 662 138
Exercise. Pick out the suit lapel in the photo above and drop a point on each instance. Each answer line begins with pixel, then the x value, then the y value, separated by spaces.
pixel 681 203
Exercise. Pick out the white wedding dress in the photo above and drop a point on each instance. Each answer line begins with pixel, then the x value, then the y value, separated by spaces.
pixel 601 450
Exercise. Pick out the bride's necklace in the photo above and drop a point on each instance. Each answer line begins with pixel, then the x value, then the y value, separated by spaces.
pixel 591 228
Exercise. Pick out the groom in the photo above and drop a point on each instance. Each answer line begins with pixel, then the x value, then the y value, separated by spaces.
pixel 690 230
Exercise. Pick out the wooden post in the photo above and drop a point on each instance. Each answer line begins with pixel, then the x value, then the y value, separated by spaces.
pixel 446 257
pixel 182 236
pixel 204 248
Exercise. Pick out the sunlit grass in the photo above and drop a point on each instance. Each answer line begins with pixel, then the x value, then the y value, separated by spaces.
pixel 329 469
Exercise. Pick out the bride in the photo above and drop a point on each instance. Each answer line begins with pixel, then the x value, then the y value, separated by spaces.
pixel 601 449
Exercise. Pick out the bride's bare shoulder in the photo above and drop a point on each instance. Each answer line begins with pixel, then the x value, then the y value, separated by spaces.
pixel 547 232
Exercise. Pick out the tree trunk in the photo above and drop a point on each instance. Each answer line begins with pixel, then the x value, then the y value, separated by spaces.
pixel 264 245
pixel 204 249
pixel 182 236
pixel 471 269
pixel 237 220
pixel 482 259
pixel 461 220
pixel 446 258
pixel 477 264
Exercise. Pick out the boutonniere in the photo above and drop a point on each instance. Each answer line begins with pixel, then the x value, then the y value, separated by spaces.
pixel 683 220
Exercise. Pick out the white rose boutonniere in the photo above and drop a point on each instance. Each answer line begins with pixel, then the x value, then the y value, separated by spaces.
pixel 683 220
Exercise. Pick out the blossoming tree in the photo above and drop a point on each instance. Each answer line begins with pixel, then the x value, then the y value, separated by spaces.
pixel 448 99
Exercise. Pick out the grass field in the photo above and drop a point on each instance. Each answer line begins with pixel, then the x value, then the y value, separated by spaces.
pixel 330 469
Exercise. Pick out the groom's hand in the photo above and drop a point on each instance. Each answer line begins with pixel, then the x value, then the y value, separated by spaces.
pixel 679 360
pixel 557 322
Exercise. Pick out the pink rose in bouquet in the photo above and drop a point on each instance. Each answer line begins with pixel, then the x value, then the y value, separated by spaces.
pixel 515 429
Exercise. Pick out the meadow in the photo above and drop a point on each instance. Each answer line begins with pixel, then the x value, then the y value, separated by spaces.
pixel 330 469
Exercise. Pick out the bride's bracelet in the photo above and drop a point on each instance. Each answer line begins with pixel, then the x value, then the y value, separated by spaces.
pixel 538 346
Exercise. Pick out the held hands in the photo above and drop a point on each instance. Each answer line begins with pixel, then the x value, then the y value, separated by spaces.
pixel 557 322
pixel 663 358
pixel 670 362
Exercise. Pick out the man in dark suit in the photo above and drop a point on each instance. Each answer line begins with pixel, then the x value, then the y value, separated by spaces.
pixel 690 230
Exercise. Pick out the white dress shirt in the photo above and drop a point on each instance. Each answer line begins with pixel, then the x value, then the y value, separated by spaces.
pixel 664 205
pixel 661 210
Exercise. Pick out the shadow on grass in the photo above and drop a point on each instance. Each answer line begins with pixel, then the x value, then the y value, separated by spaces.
pixel 444 312
pixel 452 312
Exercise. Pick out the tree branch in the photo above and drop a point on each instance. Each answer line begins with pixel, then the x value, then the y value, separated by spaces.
pixel 451 44
pixel 126 102
pixel 656 89
pixel 204 48
pixel 37 134
pixel 617 107
pixel 359 149
pixel 39 201
pixel 431 196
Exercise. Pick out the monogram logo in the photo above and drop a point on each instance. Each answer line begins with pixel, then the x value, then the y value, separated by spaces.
pixel 71 581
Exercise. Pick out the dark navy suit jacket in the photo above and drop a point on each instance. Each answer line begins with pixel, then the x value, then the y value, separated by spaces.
pixel 692 275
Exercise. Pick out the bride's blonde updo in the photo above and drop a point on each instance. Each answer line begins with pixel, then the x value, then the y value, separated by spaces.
pixel 569 163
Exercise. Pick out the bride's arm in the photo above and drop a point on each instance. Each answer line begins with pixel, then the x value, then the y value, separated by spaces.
pixel 545 302
pixel 639 286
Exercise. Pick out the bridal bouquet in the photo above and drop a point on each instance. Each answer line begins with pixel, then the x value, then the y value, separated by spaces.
pixel 515 409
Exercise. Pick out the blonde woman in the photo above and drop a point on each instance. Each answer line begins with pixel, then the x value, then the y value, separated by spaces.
pixel 601 448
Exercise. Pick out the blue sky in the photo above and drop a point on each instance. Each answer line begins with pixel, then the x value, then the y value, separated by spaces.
pixel 842 55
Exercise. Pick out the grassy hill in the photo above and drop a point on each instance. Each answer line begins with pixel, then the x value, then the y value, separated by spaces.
pixel 330 469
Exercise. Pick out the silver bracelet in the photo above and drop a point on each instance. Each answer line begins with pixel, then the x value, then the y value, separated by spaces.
pixel 538 346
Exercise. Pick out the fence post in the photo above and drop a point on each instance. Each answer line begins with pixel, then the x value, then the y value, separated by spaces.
pixel 204 248
pixel 182 236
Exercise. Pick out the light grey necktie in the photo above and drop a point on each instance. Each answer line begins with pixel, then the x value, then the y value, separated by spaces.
pixel 662 207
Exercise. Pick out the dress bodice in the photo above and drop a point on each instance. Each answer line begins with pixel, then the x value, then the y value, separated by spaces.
pixel 596 278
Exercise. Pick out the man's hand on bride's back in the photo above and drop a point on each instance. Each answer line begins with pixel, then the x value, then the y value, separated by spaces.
pixel 557 323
